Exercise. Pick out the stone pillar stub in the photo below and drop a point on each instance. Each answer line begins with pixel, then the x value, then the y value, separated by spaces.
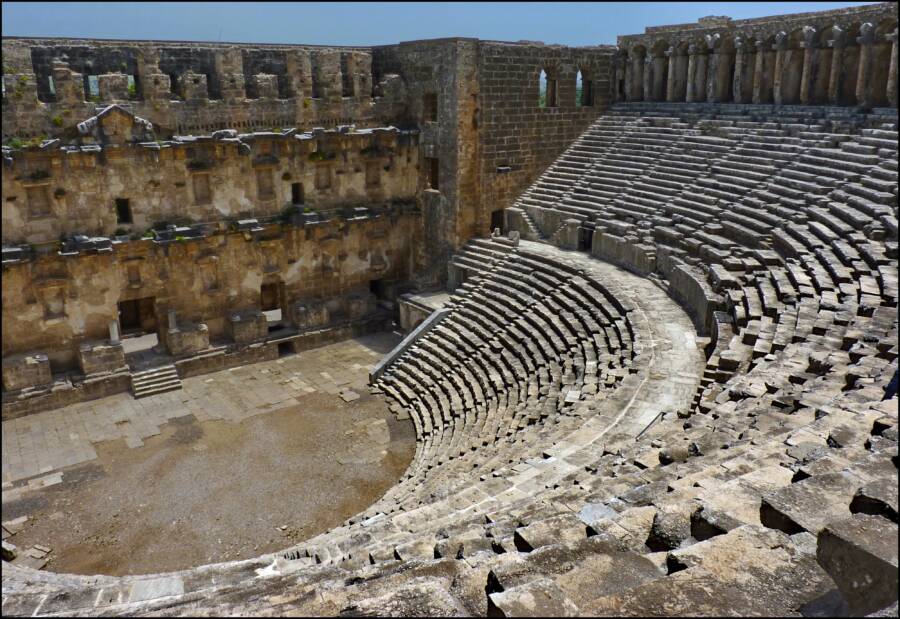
pixel 892 71
pixel 113 331
pixel 173 323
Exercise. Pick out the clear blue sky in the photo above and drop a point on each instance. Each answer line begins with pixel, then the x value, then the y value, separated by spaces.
pixel 375 23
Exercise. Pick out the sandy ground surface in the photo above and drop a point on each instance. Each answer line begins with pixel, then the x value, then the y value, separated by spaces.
pixel 201 492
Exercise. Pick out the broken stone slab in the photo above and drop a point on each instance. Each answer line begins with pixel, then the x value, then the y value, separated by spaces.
pixel 809 504
pixel 538 598
pixel 349 396
pixel 9 551
pixel 555 530
pixel 860 555
pixel 877 498
pixel 156 588
pixel 582 571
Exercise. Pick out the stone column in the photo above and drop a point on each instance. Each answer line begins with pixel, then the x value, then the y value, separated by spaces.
pixel 670 83
pixel 637 77
pixel 892 72
pixel 866 40
pixel 113 331
pixel 702 72
pixel 657 85
pixel 173 323
pixel 809 51
pixel 780 47
pixel 758 71
pixel 621 75
pixel 738 81
pixel 837 44
pixel 712 75
pixel 648 78
pixel 691 73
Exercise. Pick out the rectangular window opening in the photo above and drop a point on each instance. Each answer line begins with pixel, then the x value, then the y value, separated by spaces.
pixel 373 173
pixel 323 177
pixel 430 105
pixel 433 167
pixel 202 193
pixel 123 211
pixel 296 193
pixel 264 185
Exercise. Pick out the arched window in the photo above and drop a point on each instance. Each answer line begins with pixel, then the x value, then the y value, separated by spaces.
pixel 546 90
pixel 584 91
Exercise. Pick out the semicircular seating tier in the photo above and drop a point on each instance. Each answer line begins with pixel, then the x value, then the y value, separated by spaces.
pixel 680 421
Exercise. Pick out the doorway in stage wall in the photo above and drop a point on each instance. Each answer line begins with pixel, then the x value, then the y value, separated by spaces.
pixel 497 221
pixel 138 325
pixel 270 296
pixel 585 239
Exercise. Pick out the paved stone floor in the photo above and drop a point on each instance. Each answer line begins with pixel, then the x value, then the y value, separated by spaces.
pixel 36 445
pixel 122 486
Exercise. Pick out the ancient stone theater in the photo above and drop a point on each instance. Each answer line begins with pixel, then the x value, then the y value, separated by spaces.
pixel 614 327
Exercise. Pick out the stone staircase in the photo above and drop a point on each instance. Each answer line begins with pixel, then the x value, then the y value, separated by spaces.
pixel 155 380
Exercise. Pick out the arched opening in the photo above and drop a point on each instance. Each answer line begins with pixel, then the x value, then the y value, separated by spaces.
pixel 546 90
pixel 821 67
pixel 744 70
pixel 584 90
pixel 722 70
pixel 765 71
pixel 792 68
pixel 697 78
pixel 634 78
pixel 846 92
pixel 880 63
pixel 678 75
pixel 659 66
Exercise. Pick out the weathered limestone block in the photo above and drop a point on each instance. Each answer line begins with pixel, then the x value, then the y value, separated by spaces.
pixel 567 235
pixel 298 73
pixel 100 356
pixel 187 338
pixel 636 256
pixel 247 327
pixel 192 86
pixel 113 87
pixel 232 86
pixel 326 75
pixel 156 87
pixel 555 530
pixel 309 315
pixel 411 313
pixel 21 89
pixel 28 370
pixel 360 305
pixel 68 84
pixel 809 504
pixel 266 86
pixel 696 294
pixel 538 598
pixel 860 554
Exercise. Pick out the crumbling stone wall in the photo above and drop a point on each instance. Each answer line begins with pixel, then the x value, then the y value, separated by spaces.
pixel 58 192
pixel 52 302
pixel 189 87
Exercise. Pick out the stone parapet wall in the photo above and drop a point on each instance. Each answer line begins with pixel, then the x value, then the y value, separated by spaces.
pixel 191 86
pixel 101 357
